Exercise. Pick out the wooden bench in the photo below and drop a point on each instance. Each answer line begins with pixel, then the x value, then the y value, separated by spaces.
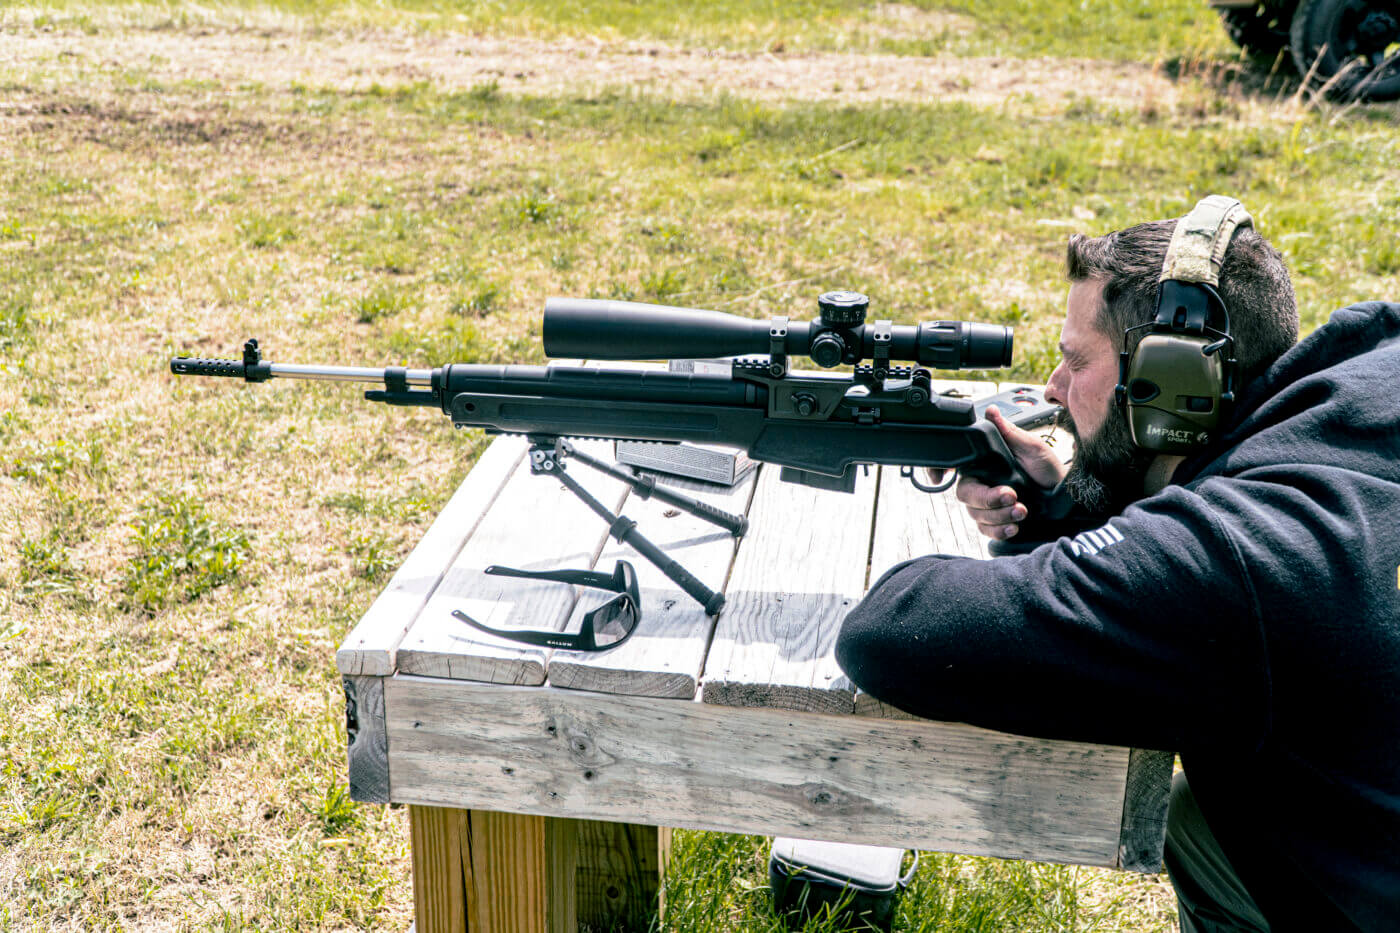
pixel 542 784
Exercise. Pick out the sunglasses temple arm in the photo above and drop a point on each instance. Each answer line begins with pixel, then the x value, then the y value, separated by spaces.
pixel 625 530
pixel 526 637
pixel 594 578
pixel 647 488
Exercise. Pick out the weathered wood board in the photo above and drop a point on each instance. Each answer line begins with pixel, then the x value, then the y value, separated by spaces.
pixel 366 739
pixel 535 523
pixel 665 656
pixel 801 568
pixel 568 753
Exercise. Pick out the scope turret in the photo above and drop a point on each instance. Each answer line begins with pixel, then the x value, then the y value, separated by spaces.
pixel 627 330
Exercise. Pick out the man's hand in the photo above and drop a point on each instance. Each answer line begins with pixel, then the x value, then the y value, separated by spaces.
pixel 996 509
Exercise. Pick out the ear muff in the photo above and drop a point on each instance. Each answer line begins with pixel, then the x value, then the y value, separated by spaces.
pixel 1178 380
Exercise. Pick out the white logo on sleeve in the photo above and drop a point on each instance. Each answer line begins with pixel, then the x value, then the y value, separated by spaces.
pixel 1091 542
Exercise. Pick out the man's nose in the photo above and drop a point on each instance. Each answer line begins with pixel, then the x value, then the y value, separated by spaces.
pixel 1054 389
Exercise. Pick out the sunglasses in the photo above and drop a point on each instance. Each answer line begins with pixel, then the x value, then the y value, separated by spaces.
pixel 605 627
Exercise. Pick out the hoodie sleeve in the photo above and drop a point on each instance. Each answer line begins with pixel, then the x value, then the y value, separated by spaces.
pixel 1142 632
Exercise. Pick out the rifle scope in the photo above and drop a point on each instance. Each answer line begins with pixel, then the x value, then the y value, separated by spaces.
pixel 627 330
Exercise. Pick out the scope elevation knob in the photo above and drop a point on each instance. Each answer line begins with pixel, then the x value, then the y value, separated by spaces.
pixel 842 309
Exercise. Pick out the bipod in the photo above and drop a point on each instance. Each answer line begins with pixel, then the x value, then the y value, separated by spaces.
pixel 547 456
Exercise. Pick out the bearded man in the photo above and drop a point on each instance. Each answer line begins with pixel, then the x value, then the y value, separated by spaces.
pixel 1237 604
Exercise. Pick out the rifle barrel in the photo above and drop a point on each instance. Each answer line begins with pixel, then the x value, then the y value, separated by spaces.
pixel 414 377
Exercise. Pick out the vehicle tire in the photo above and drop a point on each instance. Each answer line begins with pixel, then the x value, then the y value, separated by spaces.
pixel 1260 30
pixel 1354 43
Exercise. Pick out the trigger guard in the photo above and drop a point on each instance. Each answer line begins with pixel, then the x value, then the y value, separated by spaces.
pixel 908 473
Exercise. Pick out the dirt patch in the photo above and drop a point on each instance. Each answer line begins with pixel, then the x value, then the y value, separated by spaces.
pixel 280 60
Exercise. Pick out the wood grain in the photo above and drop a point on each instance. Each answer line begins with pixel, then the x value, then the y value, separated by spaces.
pixel 1149 785
pixel 666 655
pixel 534 524
pixel 370 647
pixel 617 875
pixel 438 838
pixel 940 786
pixel 490 872
pixel 798 572
pixel 367 742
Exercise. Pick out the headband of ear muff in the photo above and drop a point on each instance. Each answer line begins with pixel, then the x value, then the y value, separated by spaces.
pixel 1175 384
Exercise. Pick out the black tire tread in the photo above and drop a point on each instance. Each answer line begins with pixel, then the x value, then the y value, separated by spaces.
pixel 1307 38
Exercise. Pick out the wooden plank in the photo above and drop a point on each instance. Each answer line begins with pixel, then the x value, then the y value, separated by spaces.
pixel 437 838
pixel 522 874
pixel 1144 831
pixel 867 705
pixel 367 742
pixel 665 842
pixel 926 785
pixel 800 569
pixel 666 655
pixel 910 523
pixel 535 523
pixel 370 647
pixel 617 875
pixel 492 872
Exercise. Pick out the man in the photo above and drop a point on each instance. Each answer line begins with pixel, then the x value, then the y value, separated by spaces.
pixel 1239 605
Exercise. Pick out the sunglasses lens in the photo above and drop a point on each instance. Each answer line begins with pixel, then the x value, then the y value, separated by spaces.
pixel 614 621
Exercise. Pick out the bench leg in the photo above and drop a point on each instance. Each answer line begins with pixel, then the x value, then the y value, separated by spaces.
pixel 663 851
pixel 618 874
pixel 492 872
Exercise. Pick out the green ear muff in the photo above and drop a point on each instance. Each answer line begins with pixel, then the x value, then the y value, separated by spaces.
pixel 1177 382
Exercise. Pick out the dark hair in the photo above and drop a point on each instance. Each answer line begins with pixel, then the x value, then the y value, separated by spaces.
pixel 1254 285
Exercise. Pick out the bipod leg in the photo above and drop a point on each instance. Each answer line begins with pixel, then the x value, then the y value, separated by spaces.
pixel 546 461
pixel 647 488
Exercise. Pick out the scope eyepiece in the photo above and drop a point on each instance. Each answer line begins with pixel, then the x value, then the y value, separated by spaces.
pixel 625 330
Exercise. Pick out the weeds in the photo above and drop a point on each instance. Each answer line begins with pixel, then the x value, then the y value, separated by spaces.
pixel 374 559
pixel 382 301
pixel 181 554
pixel 266 232
pixel 17 321
pixel 532 207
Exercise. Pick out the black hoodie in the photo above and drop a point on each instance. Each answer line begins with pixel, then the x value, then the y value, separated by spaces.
pixel 1247 616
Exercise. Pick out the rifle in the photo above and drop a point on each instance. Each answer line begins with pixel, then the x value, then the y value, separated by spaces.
pixel 816 426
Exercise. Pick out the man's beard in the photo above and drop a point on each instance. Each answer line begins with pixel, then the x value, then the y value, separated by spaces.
pixel 1108 468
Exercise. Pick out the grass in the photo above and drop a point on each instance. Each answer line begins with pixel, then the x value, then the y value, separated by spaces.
pixel 1127 30
pixel 180 559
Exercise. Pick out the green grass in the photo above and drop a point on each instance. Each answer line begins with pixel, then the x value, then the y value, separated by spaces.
pixel 1127 30
pixel 720 882
pixel 180 559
